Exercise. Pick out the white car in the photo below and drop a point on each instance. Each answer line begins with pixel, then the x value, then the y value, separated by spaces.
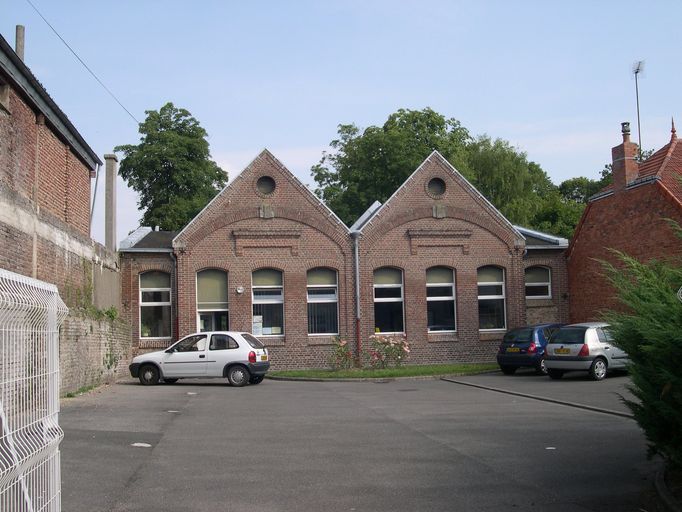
pixel 239 356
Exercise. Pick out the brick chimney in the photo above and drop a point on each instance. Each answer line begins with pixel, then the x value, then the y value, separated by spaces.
pixel 625 167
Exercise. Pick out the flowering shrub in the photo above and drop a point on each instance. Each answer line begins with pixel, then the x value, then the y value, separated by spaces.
pixel 386 350
pixel 341 356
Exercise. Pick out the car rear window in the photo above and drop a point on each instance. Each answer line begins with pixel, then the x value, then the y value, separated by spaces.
pixel 569 336
pixel 518 336
pixel 252 340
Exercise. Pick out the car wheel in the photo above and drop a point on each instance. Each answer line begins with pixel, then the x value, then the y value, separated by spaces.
pixel 508 370
pixel 256 379
pixel 555 374
pixel 170 381
pixel 598 369
pixel 149 375
pixel 238 375
pixel 541 367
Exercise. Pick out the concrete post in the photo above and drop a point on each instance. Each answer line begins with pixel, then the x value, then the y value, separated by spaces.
pixel 111 167
pixel 19 41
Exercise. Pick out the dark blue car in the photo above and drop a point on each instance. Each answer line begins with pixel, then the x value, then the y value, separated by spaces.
pixel 525 346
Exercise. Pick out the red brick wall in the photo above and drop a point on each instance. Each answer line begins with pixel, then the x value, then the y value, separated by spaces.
pixel 61 180
pixel 231 235
pixel 631 221
pixel 470 236
pixel 555 309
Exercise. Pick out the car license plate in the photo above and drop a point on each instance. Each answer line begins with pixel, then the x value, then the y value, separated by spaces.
pixel 513 349
pixel 263 358
pixel 562 350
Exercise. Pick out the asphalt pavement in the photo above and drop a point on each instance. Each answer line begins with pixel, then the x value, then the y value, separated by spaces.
pixel 360 446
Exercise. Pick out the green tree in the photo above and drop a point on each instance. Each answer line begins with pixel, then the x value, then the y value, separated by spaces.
pixel 580 189
pixel 171 168
pixel 370 165
pixel 649 329
pixel 557 215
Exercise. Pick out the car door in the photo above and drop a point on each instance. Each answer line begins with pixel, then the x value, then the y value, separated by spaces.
pixel 222 349
pixel 187 358
pixel 619 358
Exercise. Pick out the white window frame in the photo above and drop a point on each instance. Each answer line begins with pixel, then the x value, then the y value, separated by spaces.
pixel 547 284
pixel 142 304
pixel 266 301
pixel 443 298
pixel 196 298
pixel 400 299
pixel 494 297
pixel 323 301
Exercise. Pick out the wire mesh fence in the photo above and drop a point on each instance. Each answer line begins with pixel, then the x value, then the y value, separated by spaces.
pixel 30 314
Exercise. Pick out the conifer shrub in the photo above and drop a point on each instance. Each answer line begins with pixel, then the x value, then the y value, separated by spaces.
pixel 649 329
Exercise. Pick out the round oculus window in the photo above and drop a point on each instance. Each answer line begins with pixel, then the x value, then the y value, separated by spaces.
pixel 436 187
pixel 265 185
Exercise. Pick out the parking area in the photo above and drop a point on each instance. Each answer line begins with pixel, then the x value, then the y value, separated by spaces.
pixel 360 446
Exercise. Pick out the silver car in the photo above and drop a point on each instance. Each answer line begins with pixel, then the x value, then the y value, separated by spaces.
pixel 239 356
pixel 584 347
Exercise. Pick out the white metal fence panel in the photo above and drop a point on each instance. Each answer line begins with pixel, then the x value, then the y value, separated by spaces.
pixel 30 314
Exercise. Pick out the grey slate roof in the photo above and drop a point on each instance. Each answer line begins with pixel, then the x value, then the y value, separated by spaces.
pixel 146 240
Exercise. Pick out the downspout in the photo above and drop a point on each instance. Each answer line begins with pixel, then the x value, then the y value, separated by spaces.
pixel 355 235
pixel 175 297
pixel 94 196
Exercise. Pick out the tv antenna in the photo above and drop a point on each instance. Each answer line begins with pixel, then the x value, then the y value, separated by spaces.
pixel 637 68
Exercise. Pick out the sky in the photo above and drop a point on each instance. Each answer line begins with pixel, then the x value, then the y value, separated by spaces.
pixel 553 78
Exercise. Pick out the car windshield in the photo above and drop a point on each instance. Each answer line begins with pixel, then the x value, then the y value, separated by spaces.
pixel 252 340
pixel 518 336
pixel 569 336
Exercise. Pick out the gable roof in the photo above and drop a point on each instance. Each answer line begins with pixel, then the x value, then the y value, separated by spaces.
pixel 144 239
pixel 467 184
pixel 265 153
pixel 13 69
pixel 665 165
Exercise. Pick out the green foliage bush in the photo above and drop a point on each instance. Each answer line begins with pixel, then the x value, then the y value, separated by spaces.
pixel 650 331
pixel 341 357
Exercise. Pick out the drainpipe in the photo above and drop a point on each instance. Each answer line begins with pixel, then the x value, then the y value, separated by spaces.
pixel 355 235
pixel 174 295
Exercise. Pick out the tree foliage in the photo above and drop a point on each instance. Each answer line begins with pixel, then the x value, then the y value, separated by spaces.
pixel 650 331
pixel 370 165
pixel 171 168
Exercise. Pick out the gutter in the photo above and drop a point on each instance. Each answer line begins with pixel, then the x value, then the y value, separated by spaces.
pixel 355 235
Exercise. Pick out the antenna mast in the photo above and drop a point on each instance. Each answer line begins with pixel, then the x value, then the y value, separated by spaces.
pixel 637 69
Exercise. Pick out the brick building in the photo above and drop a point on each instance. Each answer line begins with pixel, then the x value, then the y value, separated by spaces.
pixel 46 168
pixel 629 216
pixel 436 262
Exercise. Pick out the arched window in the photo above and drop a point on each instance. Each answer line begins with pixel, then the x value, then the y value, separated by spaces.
pixel 323 301
pixel 440 299
pixel 388 300
pixel 155 305
pixel 538 283
pixel 491 299
pixel 212 310
pixel 268 302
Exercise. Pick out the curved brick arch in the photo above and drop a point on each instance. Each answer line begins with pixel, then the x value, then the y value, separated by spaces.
pixel 152 266
pixel 207 264
pixel 453 213
pixel 496 262
pixel 341 239
pixel 375 264
pixel 330 264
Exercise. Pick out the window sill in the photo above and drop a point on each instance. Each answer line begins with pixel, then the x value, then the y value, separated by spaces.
pixel 442 336
pixel 322 339
pixel 489 335
pixel 272 341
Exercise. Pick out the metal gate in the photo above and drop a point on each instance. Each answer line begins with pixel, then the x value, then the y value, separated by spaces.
pixel 30 314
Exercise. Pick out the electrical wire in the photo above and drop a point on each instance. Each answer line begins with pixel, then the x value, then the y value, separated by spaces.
pixel 83 63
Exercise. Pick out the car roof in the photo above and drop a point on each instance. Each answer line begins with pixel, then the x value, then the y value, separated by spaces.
pixel 230 333
pixel 589 324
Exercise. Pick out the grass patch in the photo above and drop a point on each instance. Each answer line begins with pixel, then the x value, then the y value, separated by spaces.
pixel 80 391
pixel 403 371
